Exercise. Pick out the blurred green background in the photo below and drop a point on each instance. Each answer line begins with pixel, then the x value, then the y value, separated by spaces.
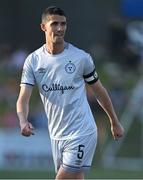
pixel 112 32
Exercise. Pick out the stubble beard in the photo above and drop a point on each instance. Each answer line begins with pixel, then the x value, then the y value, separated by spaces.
pixel 58 41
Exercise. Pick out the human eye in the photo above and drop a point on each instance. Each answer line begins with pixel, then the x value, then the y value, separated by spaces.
pixel 63 23
pixel 54 23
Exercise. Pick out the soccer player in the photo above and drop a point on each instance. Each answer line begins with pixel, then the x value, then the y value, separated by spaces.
pixel 61 70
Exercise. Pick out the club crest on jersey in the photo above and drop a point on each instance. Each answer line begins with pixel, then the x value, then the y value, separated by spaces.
pixel 70 68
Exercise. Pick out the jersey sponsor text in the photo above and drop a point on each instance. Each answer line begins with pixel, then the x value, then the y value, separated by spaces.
pixel 56 87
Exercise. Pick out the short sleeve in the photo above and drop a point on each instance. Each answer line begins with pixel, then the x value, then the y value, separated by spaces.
pixel 27 73
pixel 90 75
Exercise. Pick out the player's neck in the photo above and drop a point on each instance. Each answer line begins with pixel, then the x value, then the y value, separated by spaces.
pixel 55 48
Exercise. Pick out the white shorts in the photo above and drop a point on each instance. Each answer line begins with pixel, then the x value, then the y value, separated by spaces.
pixel 74 155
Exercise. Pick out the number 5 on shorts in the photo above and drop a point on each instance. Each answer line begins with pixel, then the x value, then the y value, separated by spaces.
pixel 80 151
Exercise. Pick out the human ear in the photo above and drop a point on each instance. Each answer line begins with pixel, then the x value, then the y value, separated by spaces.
pixel 43 27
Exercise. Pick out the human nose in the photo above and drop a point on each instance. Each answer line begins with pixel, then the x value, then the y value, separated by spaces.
pixel 59 27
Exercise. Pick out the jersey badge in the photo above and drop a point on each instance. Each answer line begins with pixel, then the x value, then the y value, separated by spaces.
pixel 70 68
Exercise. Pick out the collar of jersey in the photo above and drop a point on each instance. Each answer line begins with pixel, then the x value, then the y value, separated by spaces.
pixel 66 46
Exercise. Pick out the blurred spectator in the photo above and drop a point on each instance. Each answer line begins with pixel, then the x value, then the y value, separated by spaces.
pixel 126 42
pixel 134 48
pixel 133 11
pixel 117 36
pixel 17 59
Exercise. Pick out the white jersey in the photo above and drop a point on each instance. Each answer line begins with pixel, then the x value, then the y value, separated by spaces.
pixel 61 82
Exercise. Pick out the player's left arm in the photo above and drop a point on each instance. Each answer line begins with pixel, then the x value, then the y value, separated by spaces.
pixel 105 102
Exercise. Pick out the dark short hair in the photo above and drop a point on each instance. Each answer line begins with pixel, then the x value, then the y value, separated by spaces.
pixel 52 10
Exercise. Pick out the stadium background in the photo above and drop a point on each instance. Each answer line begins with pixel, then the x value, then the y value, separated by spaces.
pixel 102 28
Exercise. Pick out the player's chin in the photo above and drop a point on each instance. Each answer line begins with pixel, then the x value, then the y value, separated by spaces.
pixel 59 40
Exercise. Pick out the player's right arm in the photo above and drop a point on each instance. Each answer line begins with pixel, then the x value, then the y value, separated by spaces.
pixel 22 108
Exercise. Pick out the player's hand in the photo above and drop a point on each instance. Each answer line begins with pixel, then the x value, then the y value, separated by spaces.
pixel 117 130
pixel 27 129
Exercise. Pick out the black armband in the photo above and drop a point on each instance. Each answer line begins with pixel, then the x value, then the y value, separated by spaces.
pixel 91 78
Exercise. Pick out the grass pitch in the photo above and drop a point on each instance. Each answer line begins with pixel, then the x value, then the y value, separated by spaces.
pixel 92 174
